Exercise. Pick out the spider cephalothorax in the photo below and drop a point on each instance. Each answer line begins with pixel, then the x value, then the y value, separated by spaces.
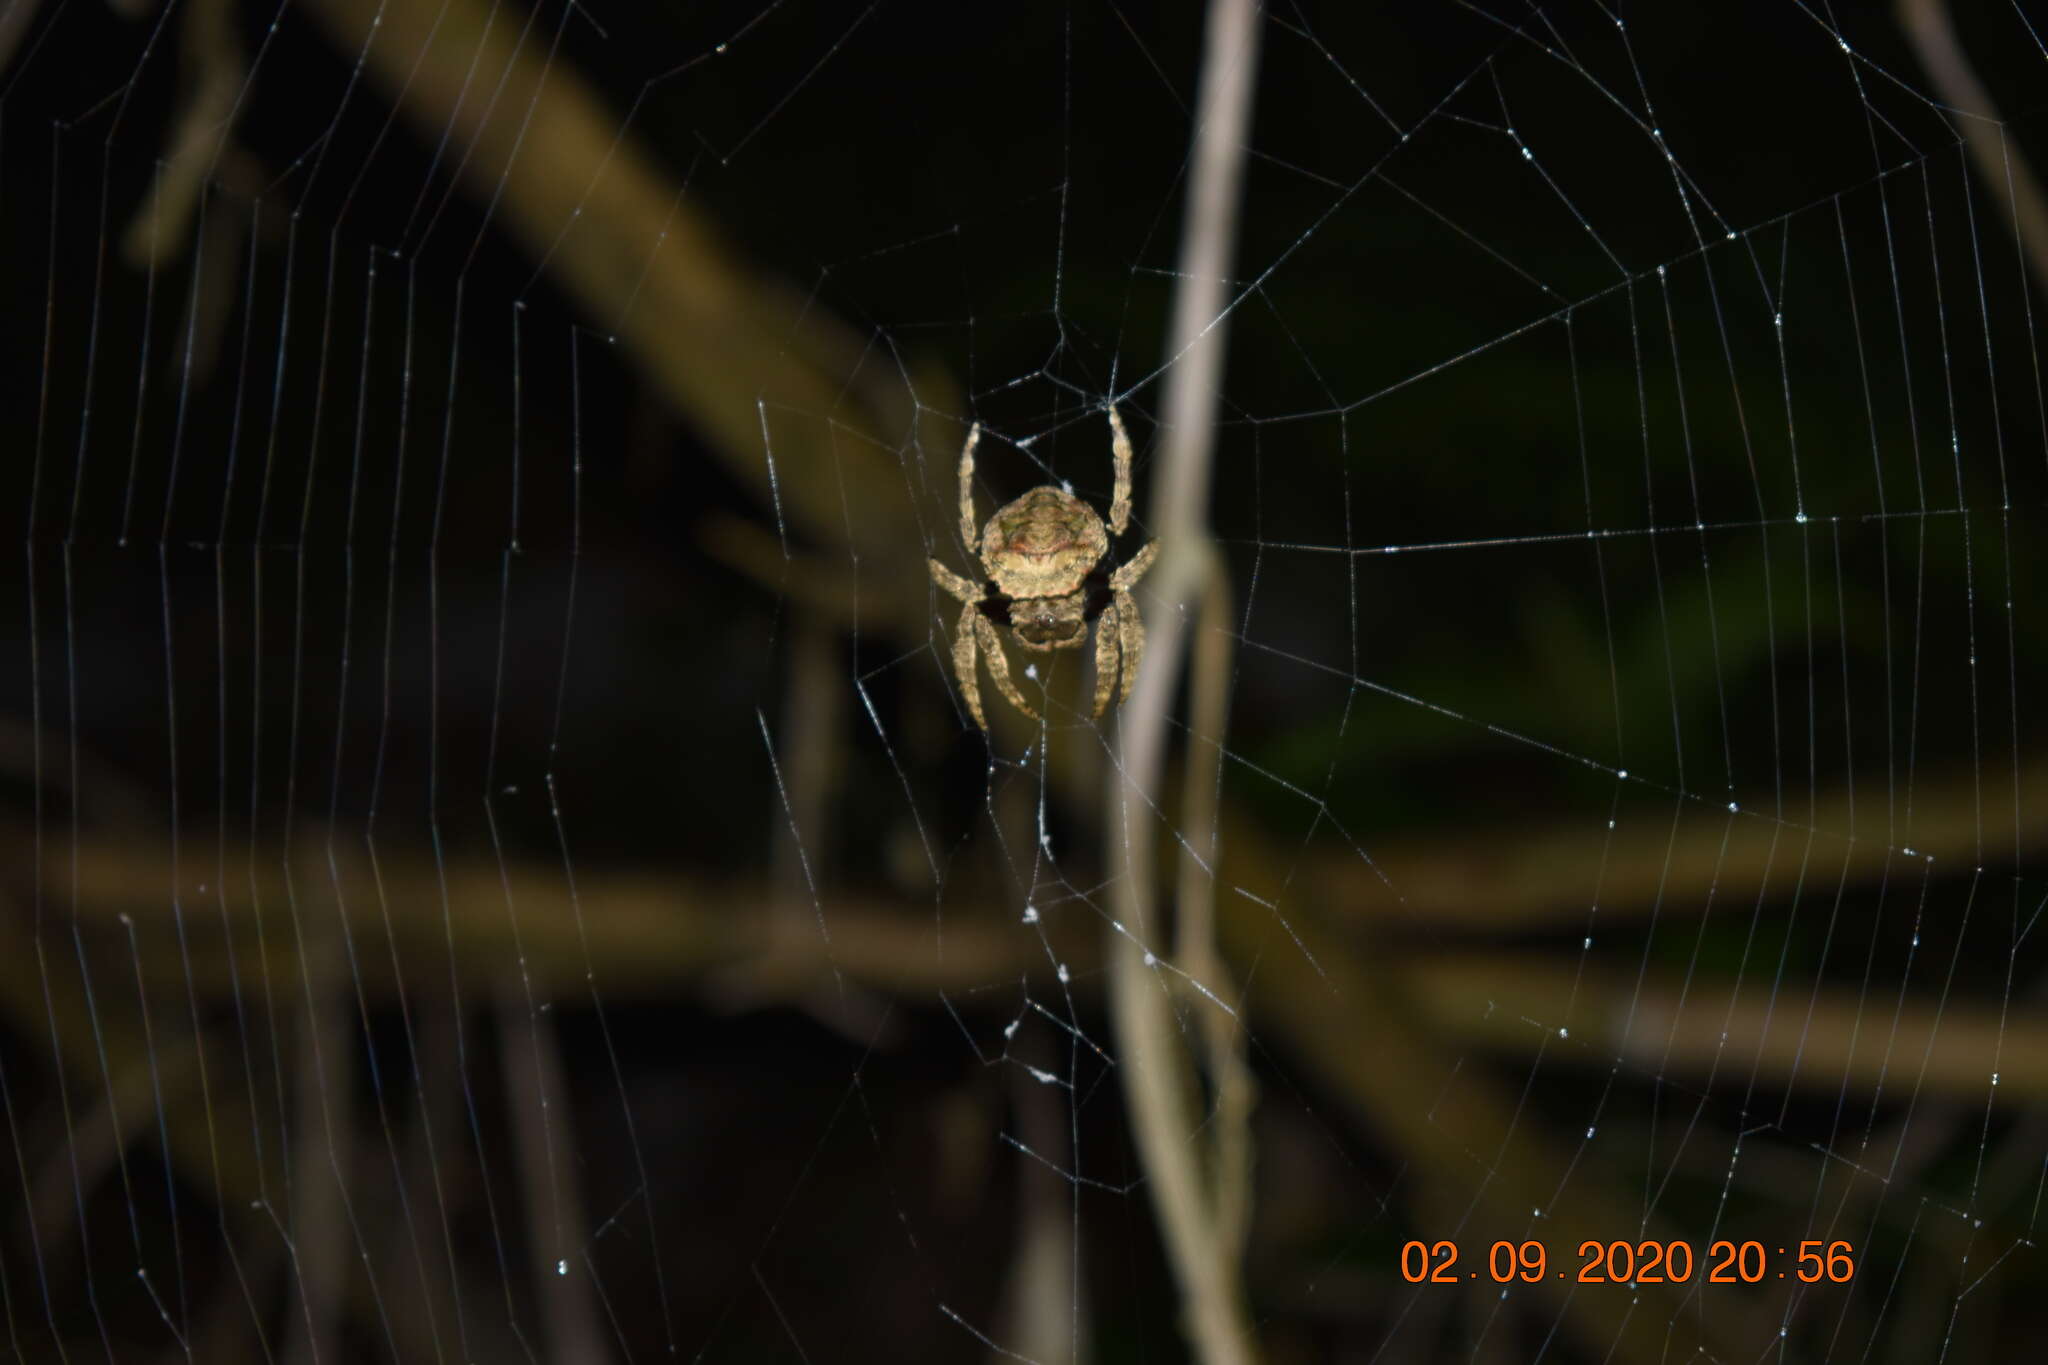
pixel 1041 558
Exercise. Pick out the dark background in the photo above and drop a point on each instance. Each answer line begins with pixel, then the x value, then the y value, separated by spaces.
pixel 350 525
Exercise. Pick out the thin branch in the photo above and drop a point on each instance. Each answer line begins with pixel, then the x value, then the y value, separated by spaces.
pixel 2006 173
pixel 793 401
pixel 1689 1028
pixel 1539 875
pixel 652 935
pixel 530 1056
pixel 1199 1205
pixel 1194 942
pixel 1045 1302
pixel 16 17
pixel 215 76
pixel 322 1225
pixel 644 931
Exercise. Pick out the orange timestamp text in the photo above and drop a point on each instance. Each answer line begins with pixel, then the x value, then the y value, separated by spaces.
pixel 1812 1261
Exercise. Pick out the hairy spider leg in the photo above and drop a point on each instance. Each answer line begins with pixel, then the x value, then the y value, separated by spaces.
pixel 1126 578
pixel 998 662
pixel 975 630
pixel 1120 500
pixel 1108 649
pixel 964 667
pixel 953 583
pixel 963 637
pixel 1130 643
pixel 967 531
pixel 1121 617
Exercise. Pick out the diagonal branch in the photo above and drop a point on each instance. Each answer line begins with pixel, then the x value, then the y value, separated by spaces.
pixel 793 401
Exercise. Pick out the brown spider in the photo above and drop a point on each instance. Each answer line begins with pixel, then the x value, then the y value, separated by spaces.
pixel 1042 555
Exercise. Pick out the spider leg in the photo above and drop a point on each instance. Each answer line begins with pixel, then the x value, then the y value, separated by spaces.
pixel 1120 500
pixel 1130 640
pixel 998 662
pixel 963 663
pixel 967 531
pixel 1126 578
pixel 953 583
pixel 1108 652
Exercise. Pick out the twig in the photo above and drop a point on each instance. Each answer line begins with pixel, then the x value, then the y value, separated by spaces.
pixel 215 76
pixel 537 1095
pixel 651 929
pixel 321 1223
pixel 1194 943
pixel 645 931
pixel 1682 1028
pixel 15 20
pixel 84 1156
pixel 1045 1303
pixel 438 1294
pixel 1200 1211
pixel 786 395
pixel 1531 876
pixel 812 583
pixel 813 708
pixel 2006 173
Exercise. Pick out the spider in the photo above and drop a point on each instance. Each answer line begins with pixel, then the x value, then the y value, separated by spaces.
pixel 1047 584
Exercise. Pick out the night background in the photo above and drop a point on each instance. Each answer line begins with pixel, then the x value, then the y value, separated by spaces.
pixel 498 863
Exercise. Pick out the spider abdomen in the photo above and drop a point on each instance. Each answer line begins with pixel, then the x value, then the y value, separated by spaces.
pixel 1043 544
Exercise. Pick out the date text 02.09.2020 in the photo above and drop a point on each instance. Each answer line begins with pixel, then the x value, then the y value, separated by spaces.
pixel 1724 1262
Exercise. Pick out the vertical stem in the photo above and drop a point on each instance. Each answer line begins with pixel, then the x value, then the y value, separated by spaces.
pixel 319 1214
pixel 2006 172
pixel 1196 1195
pixel 812 730
pixel 1194 932
pixel 536 1087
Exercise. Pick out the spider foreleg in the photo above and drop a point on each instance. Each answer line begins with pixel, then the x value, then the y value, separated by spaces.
pixel 968 535
pixel 1120 499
